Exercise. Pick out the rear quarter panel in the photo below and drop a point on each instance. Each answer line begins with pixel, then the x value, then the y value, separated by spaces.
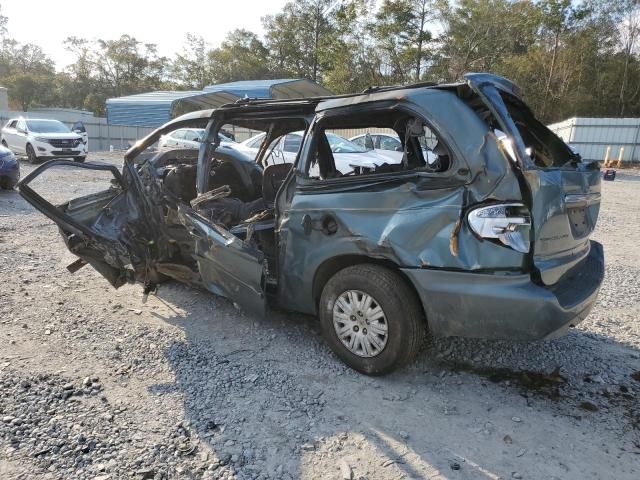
pixel 416 224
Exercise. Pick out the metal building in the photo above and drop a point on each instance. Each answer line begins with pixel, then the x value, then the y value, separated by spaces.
pixel 153 109
pixel 591 137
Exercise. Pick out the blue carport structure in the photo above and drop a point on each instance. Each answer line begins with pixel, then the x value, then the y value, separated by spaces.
pixel 153 109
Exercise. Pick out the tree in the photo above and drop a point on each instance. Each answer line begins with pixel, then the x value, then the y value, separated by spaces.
pixel 401 32
pixel 557 17
pixel 480 35
pixel 629 34
pixel 125 66
pixel 241 56
pixel 192 68
pixel 27 72
pixel 299 38
pixel 352 61
pixel 3 24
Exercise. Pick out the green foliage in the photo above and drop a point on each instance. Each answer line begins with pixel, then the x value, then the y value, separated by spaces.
pixel 242 56
pixel 569 57
pixel 191 68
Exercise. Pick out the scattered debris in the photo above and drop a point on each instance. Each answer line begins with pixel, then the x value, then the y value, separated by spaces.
pixel 345 471
pixel 589 406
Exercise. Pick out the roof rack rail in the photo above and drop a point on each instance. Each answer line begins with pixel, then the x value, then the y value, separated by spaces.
pixel 382 88
pixel 246 100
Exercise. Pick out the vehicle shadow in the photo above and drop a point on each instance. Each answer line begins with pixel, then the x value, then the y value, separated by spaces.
pixel 267 397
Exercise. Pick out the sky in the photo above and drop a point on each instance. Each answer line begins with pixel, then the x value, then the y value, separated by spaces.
pixel 48 22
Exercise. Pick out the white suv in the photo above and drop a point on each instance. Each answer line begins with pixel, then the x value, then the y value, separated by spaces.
pixel 41 139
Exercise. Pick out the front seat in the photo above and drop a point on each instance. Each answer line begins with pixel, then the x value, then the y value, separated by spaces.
pixel 272 179
pixel 443 162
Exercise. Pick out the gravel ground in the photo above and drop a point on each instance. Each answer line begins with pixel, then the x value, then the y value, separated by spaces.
pixel 95 384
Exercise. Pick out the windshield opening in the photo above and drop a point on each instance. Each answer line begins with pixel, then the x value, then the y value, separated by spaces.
pixel 47 126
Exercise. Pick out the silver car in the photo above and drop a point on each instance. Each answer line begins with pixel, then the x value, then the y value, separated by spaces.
pixel 347 155
pixel 187 138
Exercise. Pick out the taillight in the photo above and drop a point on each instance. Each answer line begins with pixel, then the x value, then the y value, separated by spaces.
pixel 509 223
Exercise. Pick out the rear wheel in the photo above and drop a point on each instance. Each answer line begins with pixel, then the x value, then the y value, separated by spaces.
pixel 5 144
pixel 371 319
pixel 31 154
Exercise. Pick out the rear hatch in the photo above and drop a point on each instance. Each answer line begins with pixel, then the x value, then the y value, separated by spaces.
pixel 563 193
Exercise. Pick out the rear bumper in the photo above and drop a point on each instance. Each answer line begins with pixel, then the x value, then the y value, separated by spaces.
pixel 508 307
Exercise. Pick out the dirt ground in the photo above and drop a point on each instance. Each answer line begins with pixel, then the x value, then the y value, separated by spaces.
pixel 96 384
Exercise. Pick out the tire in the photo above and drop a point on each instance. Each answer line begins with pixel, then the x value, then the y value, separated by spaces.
pixel 401 312
pixel 5 144
pixel 5 184
pixel 31 154
pixel 79 159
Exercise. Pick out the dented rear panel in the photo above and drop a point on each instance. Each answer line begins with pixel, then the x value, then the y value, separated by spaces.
pixel 562 192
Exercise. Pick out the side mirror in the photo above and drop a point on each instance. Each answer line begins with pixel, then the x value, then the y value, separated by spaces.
pixel 398 148
pixel 21 130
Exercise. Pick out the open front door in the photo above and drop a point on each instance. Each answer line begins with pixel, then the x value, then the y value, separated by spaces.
pixel 108 226
pixel 227 265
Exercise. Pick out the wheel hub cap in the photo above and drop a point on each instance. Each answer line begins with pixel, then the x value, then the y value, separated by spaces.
pixel 360 323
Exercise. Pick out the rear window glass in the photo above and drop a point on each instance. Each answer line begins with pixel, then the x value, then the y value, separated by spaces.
pixel 544 147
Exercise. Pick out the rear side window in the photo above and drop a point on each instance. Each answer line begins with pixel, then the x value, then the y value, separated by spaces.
pixel 417 147
pixel 12 124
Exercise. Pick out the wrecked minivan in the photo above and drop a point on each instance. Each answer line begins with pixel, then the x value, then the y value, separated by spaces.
pixel 489 238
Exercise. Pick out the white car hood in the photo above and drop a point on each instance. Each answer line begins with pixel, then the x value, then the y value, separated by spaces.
pixel 369 159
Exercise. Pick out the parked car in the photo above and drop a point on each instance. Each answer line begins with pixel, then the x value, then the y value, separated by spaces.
pixel 481 242
pixel 81 130
pixel 188 138
pixel 251 146
pixel 346 154
pixel 41 139
pixel 384 143
pixel 9 169
pixel 388 146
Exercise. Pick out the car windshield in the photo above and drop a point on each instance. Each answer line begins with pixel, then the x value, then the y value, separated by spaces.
pixel 47 126
pixel 342 145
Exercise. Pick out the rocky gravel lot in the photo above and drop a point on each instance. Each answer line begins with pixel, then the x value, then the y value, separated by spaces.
pixel 95 384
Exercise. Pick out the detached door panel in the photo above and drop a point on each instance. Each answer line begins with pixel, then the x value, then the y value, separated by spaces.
pixel 227 265
pixel 99 214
